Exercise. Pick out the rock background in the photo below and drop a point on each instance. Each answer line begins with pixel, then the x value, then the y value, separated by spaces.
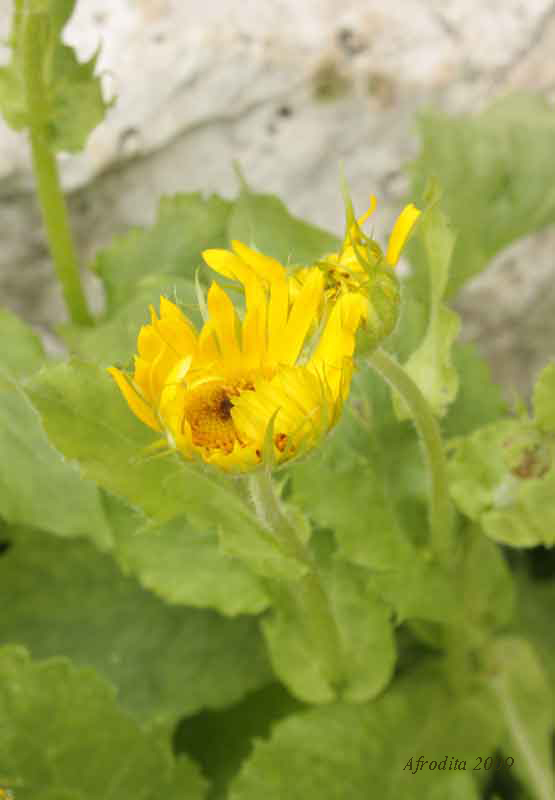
pixel 289 88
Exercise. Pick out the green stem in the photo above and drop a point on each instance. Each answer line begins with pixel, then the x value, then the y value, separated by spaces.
pixel 441 516
pixel 308 593
pixel 51 198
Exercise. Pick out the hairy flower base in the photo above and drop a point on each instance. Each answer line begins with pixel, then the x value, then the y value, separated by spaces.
pixel 245 391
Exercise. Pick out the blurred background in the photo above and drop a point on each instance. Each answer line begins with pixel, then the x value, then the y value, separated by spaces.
pixel 289 89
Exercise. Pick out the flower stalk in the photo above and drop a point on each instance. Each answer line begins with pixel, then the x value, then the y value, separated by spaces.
pixel 50 195
pixel 309 593
pixel 440 509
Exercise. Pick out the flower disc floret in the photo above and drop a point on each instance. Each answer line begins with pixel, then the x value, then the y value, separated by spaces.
pixel 247 388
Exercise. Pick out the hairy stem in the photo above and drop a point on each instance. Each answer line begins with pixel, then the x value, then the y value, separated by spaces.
pixel 308 592
pixel 51 198
pixel 428 429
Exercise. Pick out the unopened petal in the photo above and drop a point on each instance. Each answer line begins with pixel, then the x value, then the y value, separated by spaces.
pixel 401 230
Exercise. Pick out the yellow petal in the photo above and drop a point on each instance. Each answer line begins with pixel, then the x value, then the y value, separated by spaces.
pixel 277 316
pixel 207 344
pixel 225 322
pixel 301 318
pixel 136 403
pixel 400 233
pixel 226 263
pixel 264 267
pixel 149 343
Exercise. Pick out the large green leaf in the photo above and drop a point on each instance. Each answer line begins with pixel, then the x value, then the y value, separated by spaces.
pixel 63 736
pixel 371 750
pixel 185 225
pixel 497 173
pixel 37 486
pixel 65 598
pixel 182 564
pixel 72 93
pixel 89 421
pixel 263 221
pixel 21 351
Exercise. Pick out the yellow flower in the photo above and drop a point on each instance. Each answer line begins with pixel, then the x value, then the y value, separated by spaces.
pixel 245 391
pixel 361 267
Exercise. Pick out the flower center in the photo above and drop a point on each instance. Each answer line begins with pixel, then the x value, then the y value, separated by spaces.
pixel 207 409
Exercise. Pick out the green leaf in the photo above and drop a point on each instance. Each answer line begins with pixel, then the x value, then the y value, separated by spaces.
pixel 114 340
pixel 262 221
pixel 502 477
pixel 364 628
pixel 82 744
pixel 544 400
pixel 65 598
pixel 185 225
pixel 73 102
pixel 182 564
pixel 497 174
pixel 89 421
pixel 21 350
pixel 430 365
pixel 357 751
pixel 40 488
pixel 534 619
pixel 526 706
pixel 221 740
pixel 479 400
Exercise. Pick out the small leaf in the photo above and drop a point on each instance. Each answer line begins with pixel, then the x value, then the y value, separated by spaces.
pixel 67 599
pixel 262 221
pixel 72 93
pixel 82 745
pixel 430 365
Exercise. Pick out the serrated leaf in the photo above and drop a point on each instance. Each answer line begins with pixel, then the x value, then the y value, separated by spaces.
pixel 430 365
pixel 72 93
pixel 88 420
pixel 37 486
pixel 183 565
pixel 342 751
pixel 501 477
pixel 364 628
pixel 82 744
pixel 262 221
pixel 185 225
pixel 497 174
pixel 21 351
pixel 526 706
pixel 64 598
pixel 544 399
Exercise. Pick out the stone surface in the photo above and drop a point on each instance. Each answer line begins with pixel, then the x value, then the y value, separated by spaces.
pixel 289 89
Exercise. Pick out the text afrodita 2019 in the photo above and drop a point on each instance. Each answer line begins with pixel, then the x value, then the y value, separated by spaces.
pixel 413 765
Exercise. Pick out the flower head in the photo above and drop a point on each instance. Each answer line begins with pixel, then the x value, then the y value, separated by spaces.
pixel 361 267
pixel 261 387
